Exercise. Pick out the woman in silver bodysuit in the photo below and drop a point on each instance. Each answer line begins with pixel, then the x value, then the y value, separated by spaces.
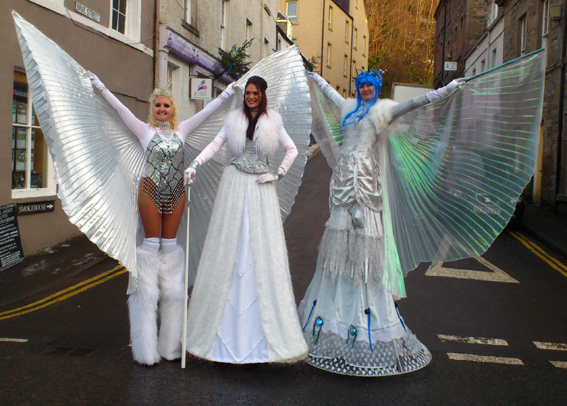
pixel 161 204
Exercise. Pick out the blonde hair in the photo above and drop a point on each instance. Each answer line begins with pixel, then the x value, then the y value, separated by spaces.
pixel 173 120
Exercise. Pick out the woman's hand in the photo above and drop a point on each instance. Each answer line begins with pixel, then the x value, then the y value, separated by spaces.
pixel 189 176
pixel 228 92
pixel 266 177
pixel 95 81
pixel 318 79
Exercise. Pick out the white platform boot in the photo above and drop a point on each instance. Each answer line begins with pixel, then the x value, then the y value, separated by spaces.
pixel 172 299
pixel 142 306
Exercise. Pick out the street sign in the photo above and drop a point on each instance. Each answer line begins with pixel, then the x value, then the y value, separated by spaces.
pixel 450 66
pixel 35 207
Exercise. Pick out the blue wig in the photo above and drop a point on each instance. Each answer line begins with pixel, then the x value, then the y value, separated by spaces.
pixel 366 77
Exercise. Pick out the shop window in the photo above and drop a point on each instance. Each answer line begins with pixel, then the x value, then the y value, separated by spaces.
pixel 31 168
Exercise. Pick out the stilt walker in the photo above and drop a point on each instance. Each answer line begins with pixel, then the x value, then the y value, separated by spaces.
pixel 186 301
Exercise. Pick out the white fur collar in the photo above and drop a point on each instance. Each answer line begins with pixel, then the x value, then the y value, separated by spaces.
pixel 265 136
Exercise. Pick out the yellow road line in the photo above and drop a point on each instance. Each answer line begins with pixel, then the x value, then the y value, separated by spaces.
pixel 553 262
pixel 61 295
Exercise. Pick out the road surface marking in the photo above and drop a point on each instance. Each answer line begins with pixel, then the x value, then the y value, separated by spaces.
pixel 551 346
pixel 497 274
pixel 552 262
pixel 559 364
pixel 473 340
pixel 62 295
pixel 14 340
pixel 484 358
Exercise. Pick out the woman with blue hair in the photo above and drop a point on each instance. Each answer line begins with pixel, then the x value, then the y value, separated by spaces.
pixel 349 317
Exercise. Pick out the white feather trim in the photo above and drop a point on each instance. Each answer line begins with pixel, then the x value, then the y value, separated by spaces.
pixel 381 114
pixel 265 135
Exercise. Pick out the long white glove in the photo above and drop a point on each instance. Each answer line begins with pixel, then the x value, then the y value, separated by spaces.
pixel 228 92
pixel 445 91
pixel 95 81
pixel 318 79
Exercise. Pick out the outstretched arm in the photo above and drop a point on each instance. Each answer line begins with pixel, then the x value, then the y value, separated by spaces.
pixel 186 127
pixel 327 89
pixel 412 104
pixel 137 126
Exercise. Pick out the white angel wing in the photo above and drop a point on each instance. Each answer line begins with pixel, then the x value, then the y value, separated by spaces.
pixel 98 160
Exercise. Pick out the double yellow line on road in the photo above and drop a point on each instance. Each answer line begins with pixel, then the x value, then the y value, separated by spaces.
pixel 65 293
pixel 552 262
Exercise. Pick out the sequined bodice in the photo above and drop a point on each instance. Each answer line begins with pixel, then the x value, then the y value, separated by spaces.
pixel 164 163
pixel 250 161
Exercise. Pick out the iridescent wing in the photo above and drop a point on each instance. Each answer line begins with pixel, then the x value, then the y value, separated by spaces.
pixel 288 94
pixel 453 170
pixel 326 127
pixel 98 161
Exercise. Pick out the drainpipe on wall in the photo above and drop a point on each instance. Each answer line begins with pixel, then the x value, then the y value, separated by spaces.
pixel 156 42
pixel 561 108
pixel 351 46
pixel 322 37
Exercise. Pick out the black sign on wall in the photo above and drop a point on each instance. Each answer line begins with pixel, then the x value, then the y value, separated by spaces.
pixel 10 245
pixel 35 207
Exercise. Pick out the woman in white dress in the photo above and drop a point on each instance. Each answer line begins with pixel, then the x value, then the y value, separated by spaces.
pixel 349 317
pixel 242 308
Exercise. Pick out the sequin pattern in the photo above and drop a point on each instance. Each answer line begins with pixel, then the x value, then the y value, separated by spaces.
pixel 250 161
pixel 163 182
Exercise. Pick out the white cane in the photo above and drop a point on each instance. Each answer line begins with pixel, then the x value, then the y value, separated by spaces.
pixel 186 300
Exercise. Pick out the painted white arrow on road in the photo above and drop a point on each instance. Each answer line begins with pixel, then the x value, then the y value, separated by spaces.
pixel 497 274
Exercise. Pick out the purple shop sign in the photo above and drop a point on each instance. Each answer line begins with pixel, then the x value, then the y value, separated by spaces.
pixel 190 52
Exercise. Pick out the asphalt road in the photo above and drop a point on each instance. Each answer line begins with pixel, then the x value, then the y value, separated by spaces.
pixel 499 338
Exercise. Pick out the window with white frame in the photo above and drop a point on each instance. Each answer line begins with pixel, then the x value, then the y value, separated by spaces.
pixel 223 25
pixel 364 45
pixel 330 21
pixel 483 65
pixel 291 11
pixel 119 15
pixel 347 26
pixel 248 29
pixel 31 166
pixel 329 55
pixel 187 8
pixel 354 38
pixel 494 56
pixel 545 18
pixel 523 34
pixel 492 12
pixel 345 65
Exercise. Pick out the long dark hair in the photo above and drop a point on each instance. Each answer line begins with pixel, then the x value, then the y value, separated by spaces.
pixel 262 86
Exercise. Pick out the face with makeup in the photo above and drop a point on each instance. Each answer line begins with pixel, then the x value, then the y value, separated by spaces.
pixel 163 108
pixel 366 91
pixel 252 96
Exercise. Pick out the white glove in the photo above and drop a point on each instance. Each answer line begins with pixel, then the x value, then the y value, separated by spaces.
pixel 228 92
pixel 265 178
pixel 445 91
pixel 189 176
pixel 319 80
pixel 95 81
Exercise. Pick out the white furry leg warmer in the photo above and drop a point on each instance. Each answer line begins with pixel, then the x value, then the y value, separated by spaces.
pixel 142 306
pixel 171 304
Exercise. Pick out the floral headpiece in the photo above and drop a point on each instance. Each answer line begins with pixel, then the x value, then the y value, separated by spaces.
pixel 163 89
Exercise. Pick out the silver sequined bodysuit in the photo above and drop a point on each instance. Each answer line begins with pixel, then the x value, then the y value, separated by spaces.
pixel 250 161
pixel 163 181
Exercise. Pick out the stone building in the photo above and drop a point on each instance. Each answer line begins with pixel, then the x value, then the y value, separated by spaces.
pixel 460 23
pixel 334 35
pixel 528 26
pixel 113 39
pixel 190 33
